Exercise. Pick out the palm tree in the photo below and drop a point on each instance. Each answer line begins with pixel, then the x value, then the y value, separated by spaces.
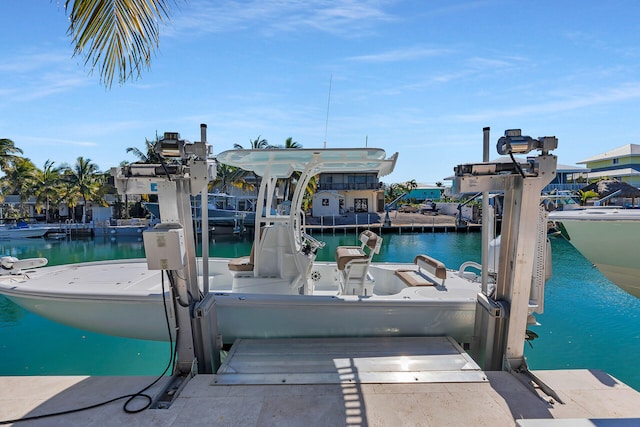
pixel 86 180
pixel 586 195
pixel 288 183
pixel 47 186
pixel 8 151
pixel 18 179
pixel 228 176
pixel 393 192
pixel 290 143
pixel 116 36
pixel 149 155
pixel 256 144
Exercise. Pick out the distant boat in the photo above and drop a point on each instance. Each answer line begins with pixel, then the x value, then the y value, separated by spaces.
pixel 223 211
pixel 560 201
pixel 22 230
pixel 608 237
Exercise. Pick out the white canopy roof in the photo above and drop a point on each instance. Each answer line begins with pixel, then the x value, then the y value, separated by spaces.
pixel 280 163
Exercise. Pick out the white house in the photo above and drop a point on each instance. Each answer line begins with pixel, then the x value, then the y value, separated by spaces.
pixel 327 203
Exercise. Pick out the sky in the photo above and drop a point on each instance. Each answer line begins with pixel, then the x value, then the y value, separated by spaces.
pixel 421 78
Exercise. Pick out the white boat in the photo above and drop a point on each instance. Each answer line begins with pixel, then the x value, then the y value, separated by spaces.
pixel 608 238
pixel 23 232
pixel 280 290
pixel 223 212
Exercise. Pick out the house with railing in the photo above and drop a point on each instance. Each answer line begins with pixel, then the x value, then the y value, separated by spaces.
pixel 354 192
pixel 622 163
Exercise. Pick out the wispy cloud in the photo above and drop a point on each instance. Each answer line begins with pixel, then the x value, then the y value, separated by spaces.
pixel 405 54
pixel 29 77
pixel 585 99
pixel 349 18
pixel 32 62
pixel 52 142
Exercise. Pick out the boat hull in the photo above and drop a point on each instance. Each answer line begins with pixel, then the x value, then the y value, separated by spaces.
pixel 608 238
pixel 125 299
pixel 23 233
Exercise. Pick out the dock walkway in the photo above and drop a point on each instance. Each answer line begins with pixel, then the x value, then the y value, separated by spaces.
pixel 359 391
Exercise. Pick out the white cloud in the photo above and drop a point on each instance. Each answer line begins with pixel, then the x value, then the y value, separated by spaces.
pixel 347 18
pixel 407 54
pixel 583 99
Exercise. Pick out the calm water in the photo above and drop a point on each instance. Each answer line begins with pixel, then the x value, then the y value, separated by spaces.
pixel 588 322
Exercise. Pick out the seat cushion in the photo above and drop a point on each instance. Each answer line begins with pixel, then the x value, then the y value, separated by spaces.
pixel 414 278
pixel 344 254
pixel 241 264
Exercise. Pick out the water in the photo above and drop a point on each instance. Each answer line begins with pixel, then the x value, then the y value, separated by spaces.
pixel 588 322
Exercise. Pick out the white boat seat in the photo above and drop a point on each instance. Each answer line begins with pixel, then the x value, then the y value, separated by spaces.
pixel 346 254
pixel 418 278
pixel 353 264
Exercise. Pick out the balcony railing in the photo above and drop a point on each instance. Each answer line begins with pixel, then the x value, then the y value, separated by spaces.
pixel 342 186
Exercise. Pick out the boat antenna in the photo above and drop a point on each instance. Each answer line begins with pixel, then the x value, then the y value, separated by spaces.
pixel 326 124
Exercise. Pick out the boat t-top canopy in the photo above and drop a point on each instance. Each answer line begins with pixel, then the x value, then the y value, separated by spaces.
pixel 280 163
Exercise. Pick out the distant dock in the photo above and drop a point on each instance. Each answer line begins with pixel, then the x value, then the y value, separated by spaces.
pixel 400 222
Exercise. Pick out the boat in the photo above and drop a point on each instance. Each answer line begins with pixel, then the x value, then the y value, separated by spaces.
pixel 560 201
pixel 226 213
pixel 22 230
pixel 608 238
pixel 132 227
pixel 279 290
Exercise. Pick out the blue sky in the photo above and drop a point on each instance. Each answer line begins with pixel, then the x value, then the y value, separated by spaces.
pixel 418 77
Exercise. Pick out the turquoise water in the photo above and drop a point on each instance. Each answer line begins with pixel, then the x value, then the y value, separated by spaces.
pixel 588 322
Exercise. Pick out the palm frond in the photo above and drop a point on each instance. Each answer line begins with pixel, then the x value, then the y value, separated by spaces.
pixel 116 36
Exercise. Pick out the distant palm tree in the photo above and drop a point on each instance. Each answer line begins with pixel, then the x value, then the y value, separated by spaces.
pixel 290 143
pixel 116 36
pixel 18 179
pixel 149 154
pixel 85 179
pixel 47 187
pixel 228 176
pixel 256 144
pixel 586 195
pixel 8 151
pixel 289 183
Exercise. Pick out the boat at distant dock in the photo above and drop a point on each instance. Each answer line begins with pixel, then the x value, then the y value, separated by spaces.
pixel 22 230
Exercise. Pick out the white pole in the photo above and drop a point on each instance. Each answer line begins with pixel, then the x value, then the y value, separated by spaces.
pixel 204 215
pixel 485 218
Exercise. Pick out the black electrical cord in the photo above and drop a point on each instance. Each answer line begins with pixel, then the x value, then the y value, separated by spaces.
pixel 131 397
pixel 175 289
pixel 516 164
pixel 164 168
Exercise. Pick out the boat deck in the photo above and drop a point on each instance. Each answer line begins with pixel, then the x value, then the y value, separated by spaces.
pixel 365 384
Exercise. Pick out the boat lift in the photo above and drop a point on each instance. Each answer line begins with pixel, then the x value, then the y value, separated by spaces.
pixel 170 247
pixel 502 314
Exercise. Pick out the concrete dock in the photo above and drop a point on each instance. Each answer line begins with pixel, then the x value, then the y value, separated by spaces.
pixel 499 402
pixel 317 387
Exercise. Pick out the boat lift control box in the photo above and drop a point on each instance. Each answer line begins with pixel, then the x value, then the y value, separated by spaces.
pixel 165 248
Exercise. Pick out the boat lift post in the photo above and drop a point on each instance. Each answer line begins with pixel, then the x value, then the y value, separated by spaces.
pixel 174 183
pixel 501 326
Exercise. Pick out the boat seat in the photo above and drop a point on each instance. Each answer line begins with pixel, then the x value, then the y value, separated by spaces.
pixel 243 263
pixel 353 264
pixel 418 278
